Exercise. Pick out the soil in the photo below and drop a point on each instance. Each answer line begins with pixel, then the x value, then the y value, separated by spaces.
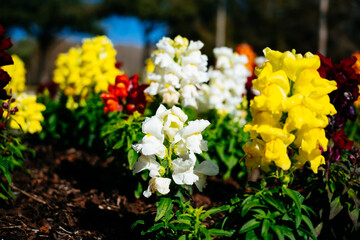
pixel 72 194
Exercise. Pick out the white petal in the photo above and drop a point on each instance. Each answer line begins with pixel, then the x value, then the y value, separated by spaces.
pixel 183 170
pixel 152 89
pixel 172 125
pixel 178 112
pixel 149 163
pixel 196 126
pixel 147 193
pixel 164 44
pixel 193 46
pixel 154 127
pixel 152 145
pixel 162 185
pixel 201 183
pixel 160 112
pixel 193 143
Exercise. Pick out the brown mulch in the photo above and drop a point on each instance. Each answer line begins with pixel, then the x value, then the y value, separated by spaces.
pixel 71 194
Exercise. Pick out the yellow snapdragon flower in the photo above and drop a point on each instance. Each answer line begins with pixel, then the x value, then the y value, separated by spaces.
pixel 29 115
pixel 85 69
pixel 17 73
pixel 291 62
pixel 292 108
pixel 274 87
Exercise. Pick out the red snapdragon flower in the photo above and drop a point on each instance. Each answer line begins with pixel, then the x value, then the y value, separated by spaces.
pixel 5 59
pixel 347 81
pixel 126 95
pixel 341 141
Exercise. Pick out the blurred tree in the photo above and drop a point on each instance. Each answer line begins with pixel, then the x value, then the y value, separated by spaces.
pixel 192 19
pixel 44 20
pixel 279 24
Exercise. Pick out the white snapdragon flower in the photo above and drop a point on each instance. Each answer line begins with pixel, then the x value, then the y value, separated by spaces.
pixel 178 64
pixel 149 163
pixel 174 120
pixel 152 142
pixel 223 57
pixel 190 139
pixel 183 170
pixel 169 95
pixel 227 82
pixel 189 94
pixel 159 184
pixel 167 127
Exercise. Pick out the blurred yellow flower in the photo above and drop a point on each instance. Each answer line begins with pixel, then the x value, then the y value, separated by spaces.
pixel 17 73
pixel 85 69
pixel 29 115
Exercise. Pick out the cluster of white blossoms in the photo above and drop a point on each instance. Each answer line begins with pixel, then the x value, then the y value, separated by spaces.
pixel 172 142
pixel 179 71
pixel 226 87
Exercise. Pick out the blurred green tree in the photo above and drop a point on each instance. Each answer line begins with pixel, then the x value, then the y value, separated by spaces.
pixel 44 20
pixel 279 24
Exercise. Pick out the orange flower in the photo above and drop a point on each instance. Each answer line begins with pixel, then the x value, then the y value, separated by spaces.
pixel 356 66
pixel 246 49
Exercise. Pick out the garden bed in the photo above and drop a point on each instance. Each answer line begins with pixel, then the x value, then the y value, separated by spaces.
pixel 67 195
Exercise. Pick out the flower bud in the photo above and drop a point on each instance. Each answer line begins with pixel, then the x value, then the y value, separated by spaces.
pixel 5 105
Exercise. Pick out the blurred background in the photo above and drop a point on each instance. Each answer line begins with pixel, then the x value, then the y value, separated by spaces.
pixel 41 29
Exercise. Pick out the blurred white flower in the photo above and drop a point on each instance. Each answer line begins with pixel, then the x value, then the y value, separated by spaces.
pixel 169 95
pixel 226 87
pixel 178 64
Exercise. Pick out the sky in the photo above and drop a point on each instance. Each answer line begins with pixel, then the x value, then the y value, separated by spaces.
pixel 121 30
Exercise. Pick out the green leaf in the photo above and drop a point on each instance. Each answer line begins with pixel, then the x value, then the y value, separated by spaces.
pixel 183 227
pixel 220 232
pixel 251 235
pixel 163 206
pixel 318 229
pixel 132 158
pixel 138 191
pixel 309 224
pixel 213 211
pixel 119 143
pixel 265 228
pixel 154 228
pixel 335 207
pixel 277 204
pixel 182 237
pixel 298 216
pixel 142 222
pixel 248 206
pixel 283 231
pixel 354 215
pixel 250 225
pixel 295 196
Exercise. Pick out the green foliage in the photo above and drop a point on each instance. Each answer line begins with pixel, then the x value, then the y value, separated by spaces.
pixel 270 213
pixel 177 219
pixel 225 140
pixel 78 128
pixel 334 195
pixel 119 133
pixel 11 156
